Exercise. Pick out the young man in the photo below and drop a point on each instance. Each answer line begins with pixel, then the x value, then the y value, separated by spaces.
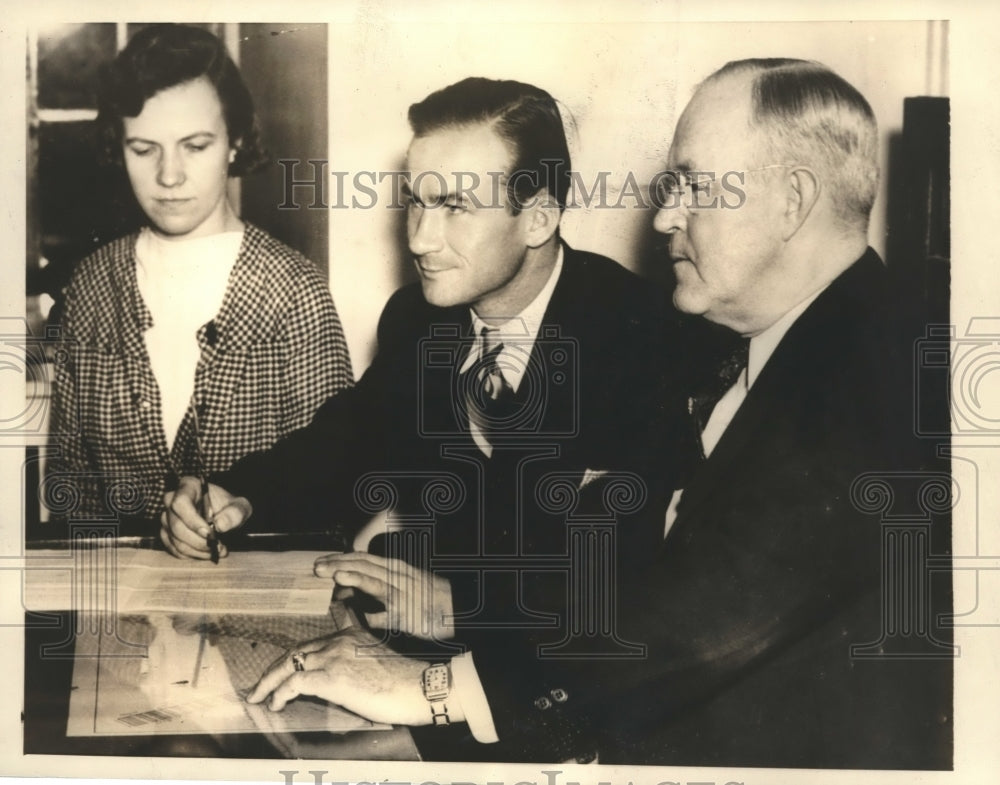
pixel 518 370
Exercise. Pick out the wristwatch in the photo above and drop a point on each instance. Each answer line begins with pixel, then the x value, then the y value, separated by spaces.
pixel 436 682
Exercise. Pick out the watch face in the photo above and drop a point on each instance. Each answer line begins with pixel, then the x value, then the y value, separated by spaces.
pixel 436 680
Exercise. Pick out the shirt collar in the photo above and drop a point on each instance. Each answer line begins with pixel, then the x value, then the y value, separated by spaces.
pixel 762 346
pixel 522 329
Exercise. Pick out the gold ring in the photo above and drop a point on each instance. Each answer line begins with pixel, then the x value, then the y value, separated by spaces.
pixel 299 660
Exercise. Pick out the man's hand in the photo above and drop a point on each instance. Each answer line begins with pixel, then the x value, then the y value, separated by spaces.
pixel 353 670
pixel 183 530
pixel 416 602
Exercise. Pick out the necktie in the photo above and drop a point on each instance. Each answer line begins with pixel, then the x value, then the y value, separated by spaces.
pixel 490 397
pixel 700 405
pixel 726 372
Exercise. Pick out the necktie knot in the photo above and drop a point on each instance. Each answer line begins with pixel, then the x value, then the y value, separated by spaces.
pixel 491 341
pixel 726 373
pixel 491 403
pixel 490 376
pixel 733 364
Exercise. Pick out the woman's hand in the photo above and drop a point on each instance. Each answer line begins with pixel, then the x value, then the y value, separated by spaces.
pixel 183 530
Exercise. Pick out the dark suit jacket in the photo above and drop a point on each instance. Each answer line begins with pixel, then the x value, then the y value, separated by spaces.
pixel 598 387
pixel 777 564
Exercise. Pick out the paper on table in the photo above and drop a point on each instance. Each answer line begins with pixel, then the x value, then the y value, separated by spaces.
pixel 189 673
pixel 118 580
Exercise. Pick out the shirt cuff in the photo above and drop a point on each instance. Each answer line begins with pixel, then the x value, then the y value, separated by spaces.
pixel 475 706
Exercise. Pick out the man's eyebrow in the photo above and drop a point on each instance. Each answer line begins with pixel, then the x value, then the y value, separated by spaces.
pixel 455 197
pixel 447 198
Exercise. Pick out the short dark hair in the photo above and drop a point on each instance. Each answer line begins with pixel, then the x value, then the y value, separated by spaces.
pixel 806 112
pixel 524 116
pixel 166 55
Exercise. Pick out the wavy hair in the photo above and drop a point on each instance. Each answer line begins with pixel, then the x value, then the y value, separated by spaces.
pixel 165 55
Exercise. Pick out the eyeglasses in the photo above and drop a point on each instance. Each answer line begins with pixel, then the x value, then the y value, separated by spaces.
pixel 672 186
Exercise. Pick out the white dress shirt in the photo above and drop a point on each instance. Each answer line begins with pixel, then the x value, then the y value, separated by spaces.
pixel 517 335
pixel 762 346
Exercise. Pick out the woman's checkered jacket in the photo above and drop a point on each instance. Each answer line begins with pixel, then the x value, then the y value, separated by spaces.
pixel 274 352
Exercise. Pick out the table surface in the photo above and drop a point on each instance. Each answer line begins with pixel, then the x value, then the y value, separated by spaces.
pixel 51 643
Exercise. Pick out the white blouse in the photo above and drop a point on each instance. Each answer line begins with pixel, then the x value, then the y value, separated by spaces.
pixel 183 283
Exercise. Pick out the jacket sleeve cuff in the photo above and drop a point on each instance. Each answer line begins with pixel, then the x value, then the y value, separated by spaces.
pixel 475 706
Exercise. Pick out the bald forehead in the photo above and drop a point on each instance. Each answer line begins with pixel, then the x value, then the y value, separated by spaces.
pixel 714 129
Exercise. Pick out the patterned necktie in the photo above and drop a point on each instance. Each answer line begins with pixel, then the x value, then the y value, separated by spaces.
pixel 726 373
pixel 489 395
pixel 700 405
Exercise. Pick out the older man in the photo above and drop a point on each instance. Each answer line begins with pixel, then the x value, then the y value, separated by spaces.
pixel 770 572
pixel 772 611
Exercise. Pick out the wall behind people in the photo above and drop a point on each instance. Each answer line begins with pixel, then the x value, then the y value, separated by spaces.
pixel 622 85
pixel 285 66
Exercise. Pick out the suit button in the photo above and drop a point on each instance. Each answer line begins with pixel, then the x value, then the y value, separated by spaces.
pixel 145 404
pixel 542 703
pixel 559 695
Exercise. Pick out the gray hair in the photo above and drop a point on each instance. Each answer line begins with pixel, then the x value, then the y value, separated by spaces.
pixel 807 114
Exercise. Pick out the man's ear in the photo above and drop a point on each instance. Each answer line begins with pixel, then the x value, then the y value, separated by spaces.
pixel 802 191
pixel 543 215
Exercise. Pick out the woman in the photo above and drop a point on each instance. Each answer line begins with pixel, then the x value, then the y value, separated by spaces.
pixel 200 338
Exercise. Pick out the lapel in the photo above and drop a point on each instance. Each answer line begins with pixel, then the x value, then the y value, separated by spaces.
pixel 781 377
pixel 561 312
pixel 551 379
pixel 424 370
